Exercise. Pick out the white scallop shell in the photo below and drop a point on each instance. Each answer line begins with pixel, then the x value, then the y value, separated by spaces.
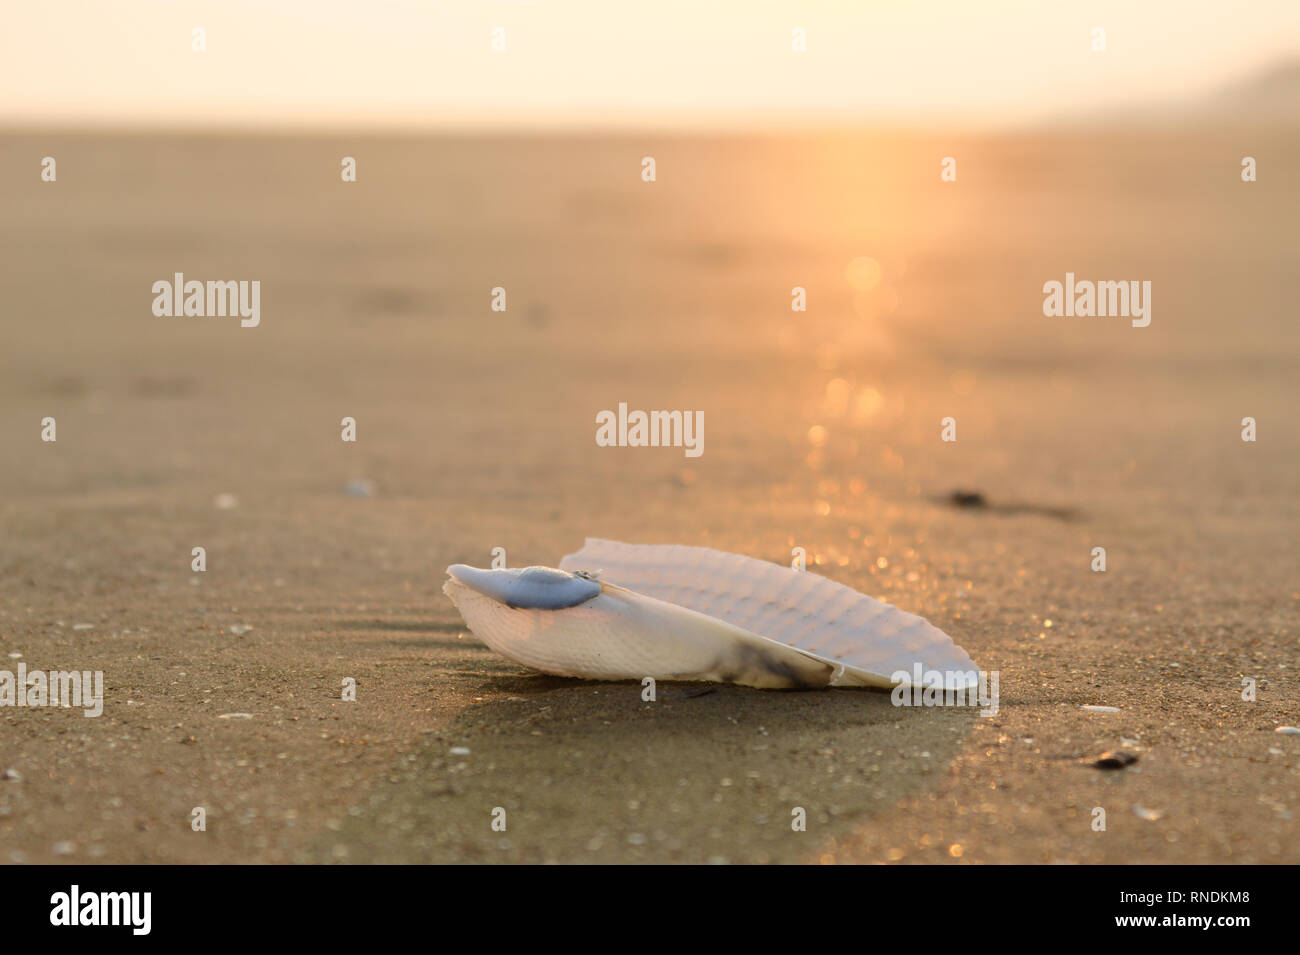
pixel 693 613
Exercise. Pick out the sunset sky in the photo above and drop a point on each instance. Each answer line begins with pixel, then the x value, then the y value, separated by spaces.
pixel 574 62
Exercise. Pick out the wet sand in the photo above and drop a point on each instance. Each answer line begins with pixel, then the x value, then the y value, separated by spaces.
pixel 822 430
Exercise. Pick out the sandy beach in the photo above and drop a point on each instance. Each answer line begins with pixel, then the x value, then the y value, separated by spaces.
pixel 475 430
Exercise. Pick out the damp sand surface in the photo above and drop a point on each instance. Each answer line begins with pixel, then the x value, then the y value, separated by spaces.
pixel 476 430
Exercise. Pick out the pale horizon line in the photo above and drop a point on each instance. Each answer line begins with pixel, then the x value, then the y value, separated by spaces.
pixel 288 118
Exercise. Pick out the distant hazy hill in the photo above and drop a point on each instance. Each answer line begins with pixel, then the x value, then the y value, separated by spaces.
pixel 1273 96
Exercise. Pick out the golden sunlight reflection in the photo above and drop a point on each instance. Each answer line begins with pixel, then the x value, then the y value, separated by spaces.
pixel 837 397
pixel 868 404
pixel 864 273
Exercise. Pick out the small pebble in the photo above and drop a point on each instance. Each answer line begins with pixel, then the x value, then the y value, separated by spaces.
pixel 83 626
pixel 1288 730
pixel 13 776
pixel 962 498
pixel 235 716
pixel 64 848
pixel 1101 709
pixel 1115 759
pixel 1150 815
pixel 225 502
pixel 240 629
pixel 359 488
pixel 459 751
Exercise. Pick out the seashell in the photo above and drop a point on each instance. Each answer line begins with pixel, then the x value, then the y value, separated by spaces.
pixel 628 611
